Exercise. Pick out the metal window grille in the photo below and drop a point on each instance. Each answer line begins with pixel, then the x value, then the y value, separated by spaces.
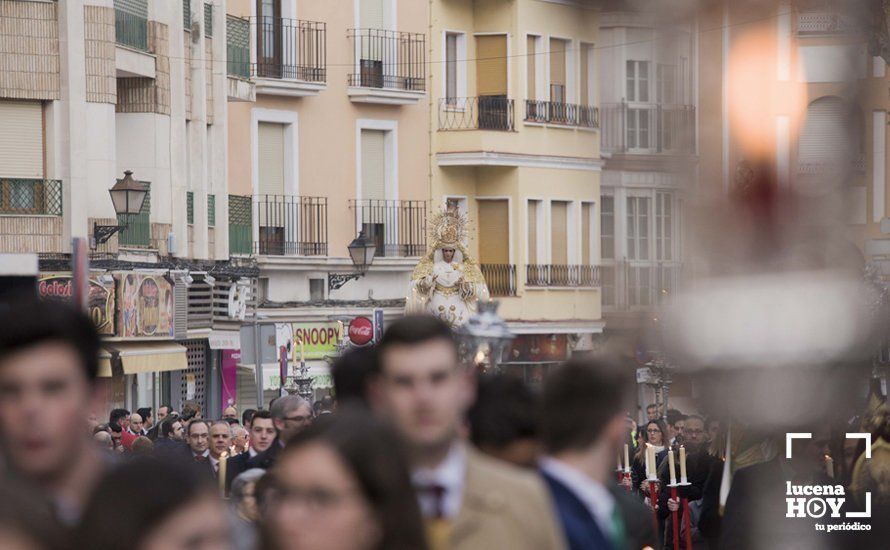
pixel 397 227
pixel 208 20
pixel 187 14
pixel 388 59
pixel 292 225
pixel 131 23
pixel 291 49
pixel 240 225
pixel 238 46
pixel 190 207
pixel 138 230
pixel 31 197
pixel 211 210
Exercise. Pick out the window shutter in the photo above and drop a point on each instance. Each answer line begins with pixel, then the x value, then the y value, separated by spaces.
pixel 450 66
pixel 371 16
pixel 21 139
pixel 823 139
pixel 531 68
pixel 586 213
pixel 585 74
pixel 373 165
pixel 533 232
pixel 494 232
pixel 559 249
pixel 557 62
pixel 491 65
pixel 271 158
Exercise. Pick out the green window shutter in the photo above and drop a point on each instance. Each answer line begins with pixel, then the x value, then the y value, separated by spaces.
pixel 208 20
pixel 211 210
pixel 190 207
pixel 138 231
pixel 187 14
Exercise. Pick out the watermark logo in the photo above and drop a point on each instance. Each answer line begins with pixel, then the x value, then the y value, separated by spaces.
pixel 824 501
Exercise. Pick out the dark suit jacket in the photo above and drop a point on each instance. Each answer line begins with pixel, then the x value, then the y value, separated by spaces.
pixel 235 466
pixel 267 458
pixel 582 530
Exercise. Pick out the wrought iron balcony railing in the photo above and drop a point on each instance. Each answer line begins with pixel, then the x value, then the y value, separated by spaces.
pixel 639 285
pixel 542 275
pixel 290 225
pixel 388 59
pixel 568 114
pixel 500 278
pixel 476 113
pixel 397 227
pixel 290 49
pixel 648 128
pixel 237 47
pixel 131 23
pixel 30 197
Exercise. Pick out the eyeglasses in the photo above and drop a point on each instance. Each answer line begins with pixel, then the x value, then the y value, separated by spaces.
pixel 655 431
pixel 302 419
pixel 315 500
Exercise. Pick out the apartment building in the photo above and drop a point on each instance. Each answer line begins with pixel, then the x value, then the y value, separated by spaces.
pixel 516 147
pixel 333 145
pixel 91 90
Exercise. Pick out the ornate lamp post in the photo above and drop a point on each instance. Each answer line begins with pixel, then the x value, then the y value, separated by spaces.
pixel 361 252
pixel 485 336
pixel 127 196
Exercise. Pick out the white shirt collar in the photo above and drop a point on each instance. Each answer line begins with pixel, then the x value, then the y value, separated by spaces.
pixel 451 474
pixel 252 452
pixel 593 494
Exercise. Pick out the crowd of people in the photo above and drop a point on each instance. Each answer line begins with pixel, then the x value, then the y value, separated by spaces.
pixel 418 451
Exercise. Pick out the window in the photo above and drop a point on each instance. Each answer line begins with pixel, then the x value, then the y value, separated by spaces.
pixel 534 218
pixel 638 124
pixel 664 230
pixel 372 15
pixel 666 84
pixel 494 232
pixel 271 158
pixel 373 164
pixel 491 65
pixel 607 228
pixel 211 210
pixel 638 228
pixel 587 233
pixel 558 70
pixel 531 67
pixel 450 68
pixel 587 74
pixel 190 207
pixel 21 139
pixel 316 290
pixel 638 81
pixel 559 224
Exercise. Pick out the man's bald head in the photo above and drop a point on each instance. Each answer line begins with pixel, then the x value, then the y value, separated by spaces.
pixel 136 423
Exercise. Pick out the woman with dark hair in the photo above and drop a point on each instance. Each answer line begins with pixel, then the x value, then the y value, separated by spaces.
pixel 654 434
pixel 152 504
pixel 342 484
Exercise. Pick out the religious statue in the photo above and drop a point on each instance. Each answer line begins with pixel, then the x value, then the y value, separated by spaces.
pixel 447 282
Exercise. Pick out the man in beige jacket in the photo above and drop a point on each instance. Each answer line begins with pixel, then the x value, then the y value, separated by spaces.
pixel 469 501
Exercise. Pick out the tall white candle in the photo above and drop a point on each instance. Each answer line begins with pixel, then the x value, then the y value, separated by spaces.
pixel 829 466
pixel 626 458
pixel 672 467
pixel 619 461
pixel 648 461
pixel 683 478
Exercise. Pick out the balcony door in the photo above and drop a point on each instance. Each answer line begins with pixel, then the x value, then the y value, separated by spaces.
pixel 376 216
pixel 271 209
pixel 491 81
pixel 269 38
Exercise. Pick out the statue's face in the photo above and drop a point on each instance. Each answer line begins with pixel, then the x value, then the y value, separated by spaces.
pixel 448 254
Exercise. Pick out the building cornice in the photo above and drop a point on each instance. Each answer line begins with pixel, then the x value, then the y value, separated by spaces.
pixel 518 160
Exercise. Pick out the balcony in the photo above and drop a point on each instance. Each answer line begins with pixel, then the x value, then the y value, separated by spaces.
pixel 397 227
pixel 639 285
pixel 131 23
pixel 30 197
pixel 567 276
pixel 648 128
pixel 561 114
pixel 290 57
pixel 389 67
pixel 476 113
pixel 500 278
pixel 291 226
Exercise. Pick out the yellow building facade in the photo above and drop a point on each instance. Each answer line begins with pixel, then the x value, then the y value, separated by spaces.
pixel 515 147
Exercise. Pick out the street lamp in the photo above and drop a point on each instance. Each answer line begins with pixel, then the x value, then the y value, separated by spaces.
pixel 127 196
pixel 485 334
pixel 361 252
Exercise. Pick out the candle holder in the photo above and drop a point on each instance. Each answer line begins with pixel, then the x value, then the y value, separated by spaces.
pixel 619 474
pixel 680 490
pixel 626 475
pixel 653 498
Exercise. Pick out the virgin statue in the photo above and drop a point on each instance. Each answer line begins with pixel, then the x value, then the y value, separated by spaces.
pixel 447 282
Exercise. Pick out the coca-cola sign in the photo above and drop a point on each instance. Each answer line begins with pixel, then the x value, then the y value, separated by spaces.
pixel 361 331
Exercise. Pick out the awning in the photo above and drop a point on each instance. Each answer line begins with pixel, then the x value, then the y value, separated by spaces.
pixel 138 357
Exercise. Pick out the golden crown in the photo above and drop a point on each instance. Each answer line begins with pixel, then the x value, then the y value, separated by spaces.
pixel 448 228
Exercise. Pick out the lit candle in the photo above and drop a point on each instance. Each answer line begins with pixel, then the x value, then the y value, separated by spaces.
pixel 648 461
pixel 619 461
pixel 221 473
pixel 829 466
pixel 683 478
pixel 672 467
pixel 626 458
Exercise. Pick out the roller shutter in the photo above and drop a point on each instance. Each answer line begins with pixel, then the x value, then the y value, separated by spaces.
pixel 491 65
pixel 21 139
pixel 494 232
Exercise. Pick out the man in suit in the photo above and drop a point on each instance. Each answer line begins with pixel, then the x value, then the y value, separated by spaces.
pixel 198 439
pixel 290 416
pixel 262 436
pixel 582 427
pixel 469 501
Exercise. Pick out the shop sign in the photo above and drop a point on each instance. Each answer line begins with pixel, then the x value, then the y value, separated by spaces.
pixel 319 340
pixel 59 286
pixel 538 348
pixel 361 331
pixel 145 306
